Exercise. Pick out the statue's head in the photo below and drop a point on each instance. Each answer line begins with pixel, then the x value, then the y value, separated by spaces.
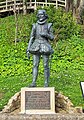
pixel 41 15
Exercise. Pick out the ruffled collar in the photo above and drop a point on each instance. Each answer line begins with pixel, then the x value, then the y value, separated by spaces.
pixel 42 22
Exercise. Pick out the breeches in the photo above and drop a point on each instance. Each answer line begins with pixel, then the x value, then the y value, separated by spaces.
pixel 36 60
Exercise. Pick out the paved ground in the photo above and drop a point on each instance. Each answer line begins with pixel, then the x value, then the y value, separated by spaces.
pixel 43 117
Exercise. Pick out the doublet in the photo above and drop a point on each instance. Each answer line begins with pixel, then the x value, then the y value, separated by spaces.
pixel 40 44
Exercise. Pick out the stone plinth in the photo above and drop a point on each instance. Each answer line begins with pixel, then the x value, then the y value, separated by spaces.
pixel 38 100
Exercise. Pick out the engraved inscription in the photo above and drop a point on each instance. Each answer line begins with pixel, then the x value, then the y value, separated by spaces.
pixel 37 100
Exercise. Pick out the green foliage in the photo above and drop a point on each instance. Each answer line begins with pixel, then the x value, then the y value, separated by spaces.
pixel 67 64
pixel 63 24
pixel 70 53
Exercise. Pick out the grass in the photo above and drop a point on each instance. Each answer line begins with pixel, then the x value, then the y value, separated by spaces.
pixel 9 86
pixel 67 82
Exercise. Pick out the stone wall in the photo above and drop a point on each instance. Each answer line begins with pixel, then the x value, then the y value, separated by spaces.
pixel 13 104
pixel 64 110
pixel 62 104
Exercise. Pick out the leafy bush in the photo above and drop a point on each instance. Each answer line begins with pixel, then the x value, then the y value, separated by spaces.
pixel 63 24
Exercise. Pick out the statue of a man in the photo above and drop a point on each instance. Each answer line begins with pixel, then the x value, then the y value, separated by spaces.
pixel 39 45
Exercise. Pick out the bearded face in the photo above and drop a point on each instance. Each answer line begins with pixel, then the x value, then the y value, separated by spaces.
pixel 42 15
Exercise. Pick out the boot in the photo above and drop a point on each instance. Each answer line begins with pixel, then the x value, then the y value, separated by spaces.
pixel 46 85
pixel 35 74
pixel 33 84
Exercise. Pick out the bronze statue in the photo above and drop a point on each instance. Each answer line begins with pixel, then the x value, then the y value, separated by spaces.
pixel 39 45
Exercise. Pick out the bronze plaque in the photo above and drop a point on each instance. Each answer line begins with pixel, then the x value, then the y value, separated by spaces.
pixel 37 100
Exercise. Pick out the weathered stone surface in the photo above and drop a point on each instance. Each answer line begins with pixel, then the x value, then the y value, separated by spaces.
pixel 38 100
pixel 13 104
pixel 62 105
pixel 56 116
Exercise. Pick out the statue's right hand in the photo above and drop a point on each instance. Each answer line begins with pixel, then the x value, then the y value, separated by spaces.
pixel 28 54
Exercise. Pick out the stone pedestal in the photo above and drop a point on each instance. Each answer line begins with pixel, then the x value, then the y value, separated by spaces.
pixel 38 100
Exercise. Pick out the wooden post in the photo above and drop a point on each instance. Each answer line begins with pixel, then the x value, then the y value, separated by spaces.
pixel 30 3
pixel 46 2
pixel 14 6
pixel 6 4
pixel 24 7
pixel 35 5
pixel 56 4
pixel 65 3
pixel 16 24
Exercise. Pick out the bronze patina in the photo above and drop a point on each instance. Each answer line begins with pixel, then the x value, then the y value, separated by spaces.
pixel 39 46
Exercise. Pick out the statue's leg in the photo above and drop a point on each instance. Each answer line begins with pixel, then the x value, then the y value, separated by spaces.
pixel 36 59
pixel 46 69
